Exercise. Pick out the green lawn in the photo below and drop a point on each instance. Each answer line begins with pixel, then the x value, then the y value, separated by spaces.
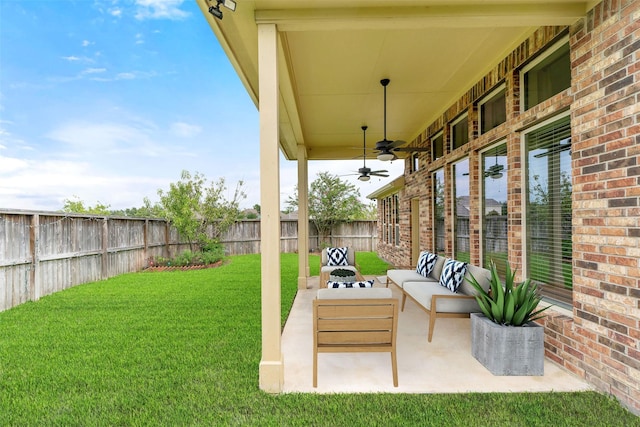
pixel 182 348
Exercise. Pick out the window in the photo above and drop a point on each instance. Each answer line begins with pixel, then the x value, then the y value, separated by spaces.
pixel 391 220
pixel 548 203
pixel 438 211
pixel 494 208
pixel 548 75
pixel 461 210
pixel 384 220
pixel 459 132
pixel 415 162
pixel 437 146
pixel 492 109
pixel 396 219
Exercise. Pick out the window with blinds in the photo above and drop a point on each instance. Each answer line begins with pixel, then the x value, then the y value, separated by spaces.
pixel 461 211
pixel 494 206
pixel 492 110
pixel 547 75
pixel 438 211
pixel 548 214
pixel 437 146
pixel 459 132
pixel 396 219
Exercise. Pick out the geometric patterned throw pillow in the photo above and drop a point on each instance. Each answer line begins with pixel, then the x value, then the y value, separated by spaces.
pixel 363 284
pixel 426 262
pixel 337 256
pixel 453 274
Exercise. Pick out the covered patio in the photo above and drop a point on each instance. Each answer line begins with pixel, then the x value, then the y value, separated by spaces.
pixel 315 70
pixel 444 365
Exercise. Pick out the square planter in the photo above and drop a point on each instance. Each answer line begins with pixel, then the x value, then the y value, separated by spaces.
pixel 507 350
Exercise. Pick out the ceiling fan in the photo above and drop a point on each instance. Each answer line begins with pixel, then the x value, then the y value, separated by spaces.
pixel 386 148
pixel 365 172
pixel 494 171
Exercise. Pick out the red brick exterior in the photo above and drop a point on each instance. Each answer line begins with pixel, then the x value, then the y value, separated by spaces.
pixel 600 339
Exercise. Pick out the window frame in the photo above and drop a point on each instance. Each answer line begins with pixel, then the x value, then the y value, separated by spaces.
pixel 526 263
pixel 415 162
pixel 439 134
pixel 533 63
pixel 487 98
pixel 452 125
pixel 489 152
pixel 434 183
pixel 454 206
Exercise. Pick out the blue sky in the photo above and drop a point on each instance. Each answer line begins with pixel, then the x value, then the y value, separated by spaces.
pixel 109 101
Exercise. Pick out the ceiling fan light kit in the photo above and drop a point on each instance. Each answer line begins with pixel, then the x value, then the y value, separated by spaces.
pixel 364 172
pixel 386 156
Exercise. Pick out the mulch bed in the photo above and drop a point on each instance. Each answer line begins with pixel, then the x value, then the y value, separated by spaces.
pixel 183 268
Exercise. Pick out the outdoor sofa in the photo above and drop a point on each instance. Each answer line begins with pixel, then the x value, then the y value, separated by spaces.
pixel 430 293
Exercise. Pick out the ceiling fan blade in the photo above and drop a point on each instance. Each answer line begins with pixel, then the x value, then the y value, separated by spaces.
pixel 410 149
pixel 396 143
pixel 379 174
pixel 380 171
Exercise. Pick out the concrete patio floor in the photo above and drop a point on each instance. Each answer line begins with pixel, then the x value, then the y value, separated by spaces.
pixel 444 365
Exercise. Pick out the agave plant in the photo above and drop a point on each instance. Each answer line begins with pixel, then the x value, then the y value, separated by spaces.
pixel 512 305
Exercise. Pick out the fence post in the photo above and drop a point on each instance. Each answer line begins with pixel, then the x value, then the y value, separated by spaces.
pixel 145 255
pixel 34 242
pixel 105 247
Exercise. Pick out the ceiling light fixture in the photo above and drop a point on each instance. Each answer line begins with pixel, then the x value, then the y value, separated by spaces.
pixel 386 155
pixel 215 10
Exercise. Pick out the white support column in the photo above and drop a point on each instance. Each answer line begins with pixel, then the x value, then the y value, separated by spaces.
pixel 303 218
pixel 271 365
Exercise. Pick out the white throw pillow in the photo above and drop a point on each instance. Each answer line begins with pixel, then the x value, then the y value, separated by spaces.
pixel 453 274
pixel 337 256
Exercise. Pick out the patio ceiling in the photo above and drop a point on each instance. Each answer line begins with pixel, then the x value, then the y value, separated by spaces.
pixel 333 55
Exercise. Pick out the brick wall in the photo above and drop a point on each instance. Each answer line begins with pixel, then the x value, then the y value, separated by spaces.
pixel 603 341
pixel 600 339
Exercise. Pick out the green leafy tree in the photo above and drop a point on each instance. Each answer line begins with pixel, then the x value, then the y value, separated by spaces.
pixel 369 212
pixel 75 205
pixel 200 213
pixel 332 201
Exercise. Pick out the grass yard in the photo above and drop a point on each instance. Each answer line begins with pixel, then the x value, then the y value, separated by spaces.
pixel 182 348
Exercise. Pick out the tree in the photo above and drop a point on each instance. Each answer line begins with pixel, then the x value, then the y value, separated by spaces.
pixel 75 205
pixel 331 201
pixel 200 214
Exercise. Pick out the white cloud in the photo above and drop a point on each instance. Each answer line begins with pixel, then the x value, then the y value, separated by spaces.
pixel 91 139
pixel 117 12
pixel 9 165
pixel 93 70
pixel 44 185
pixel 86 43
pixel 185 130
pixel 160 9
pixel 125 76
pixel 71 58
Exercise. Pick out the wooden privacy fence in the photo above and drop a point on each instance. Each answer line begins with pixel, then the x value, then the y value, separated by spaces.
pixel 45 252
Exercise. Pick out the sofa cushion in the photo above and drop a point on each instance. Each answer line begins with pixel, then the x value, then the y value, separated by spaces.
pixel 337 256
pixel 354 293
pixel 426 262
pixel 423 291
pixel 437 268
pixel 400 276
pixel 482 275
pixel 363 284
pixel 453 274
pixel 330 268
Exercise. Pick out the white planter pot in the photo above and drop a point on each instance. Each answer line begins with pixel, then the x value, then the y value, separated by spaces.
pixel 507 350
